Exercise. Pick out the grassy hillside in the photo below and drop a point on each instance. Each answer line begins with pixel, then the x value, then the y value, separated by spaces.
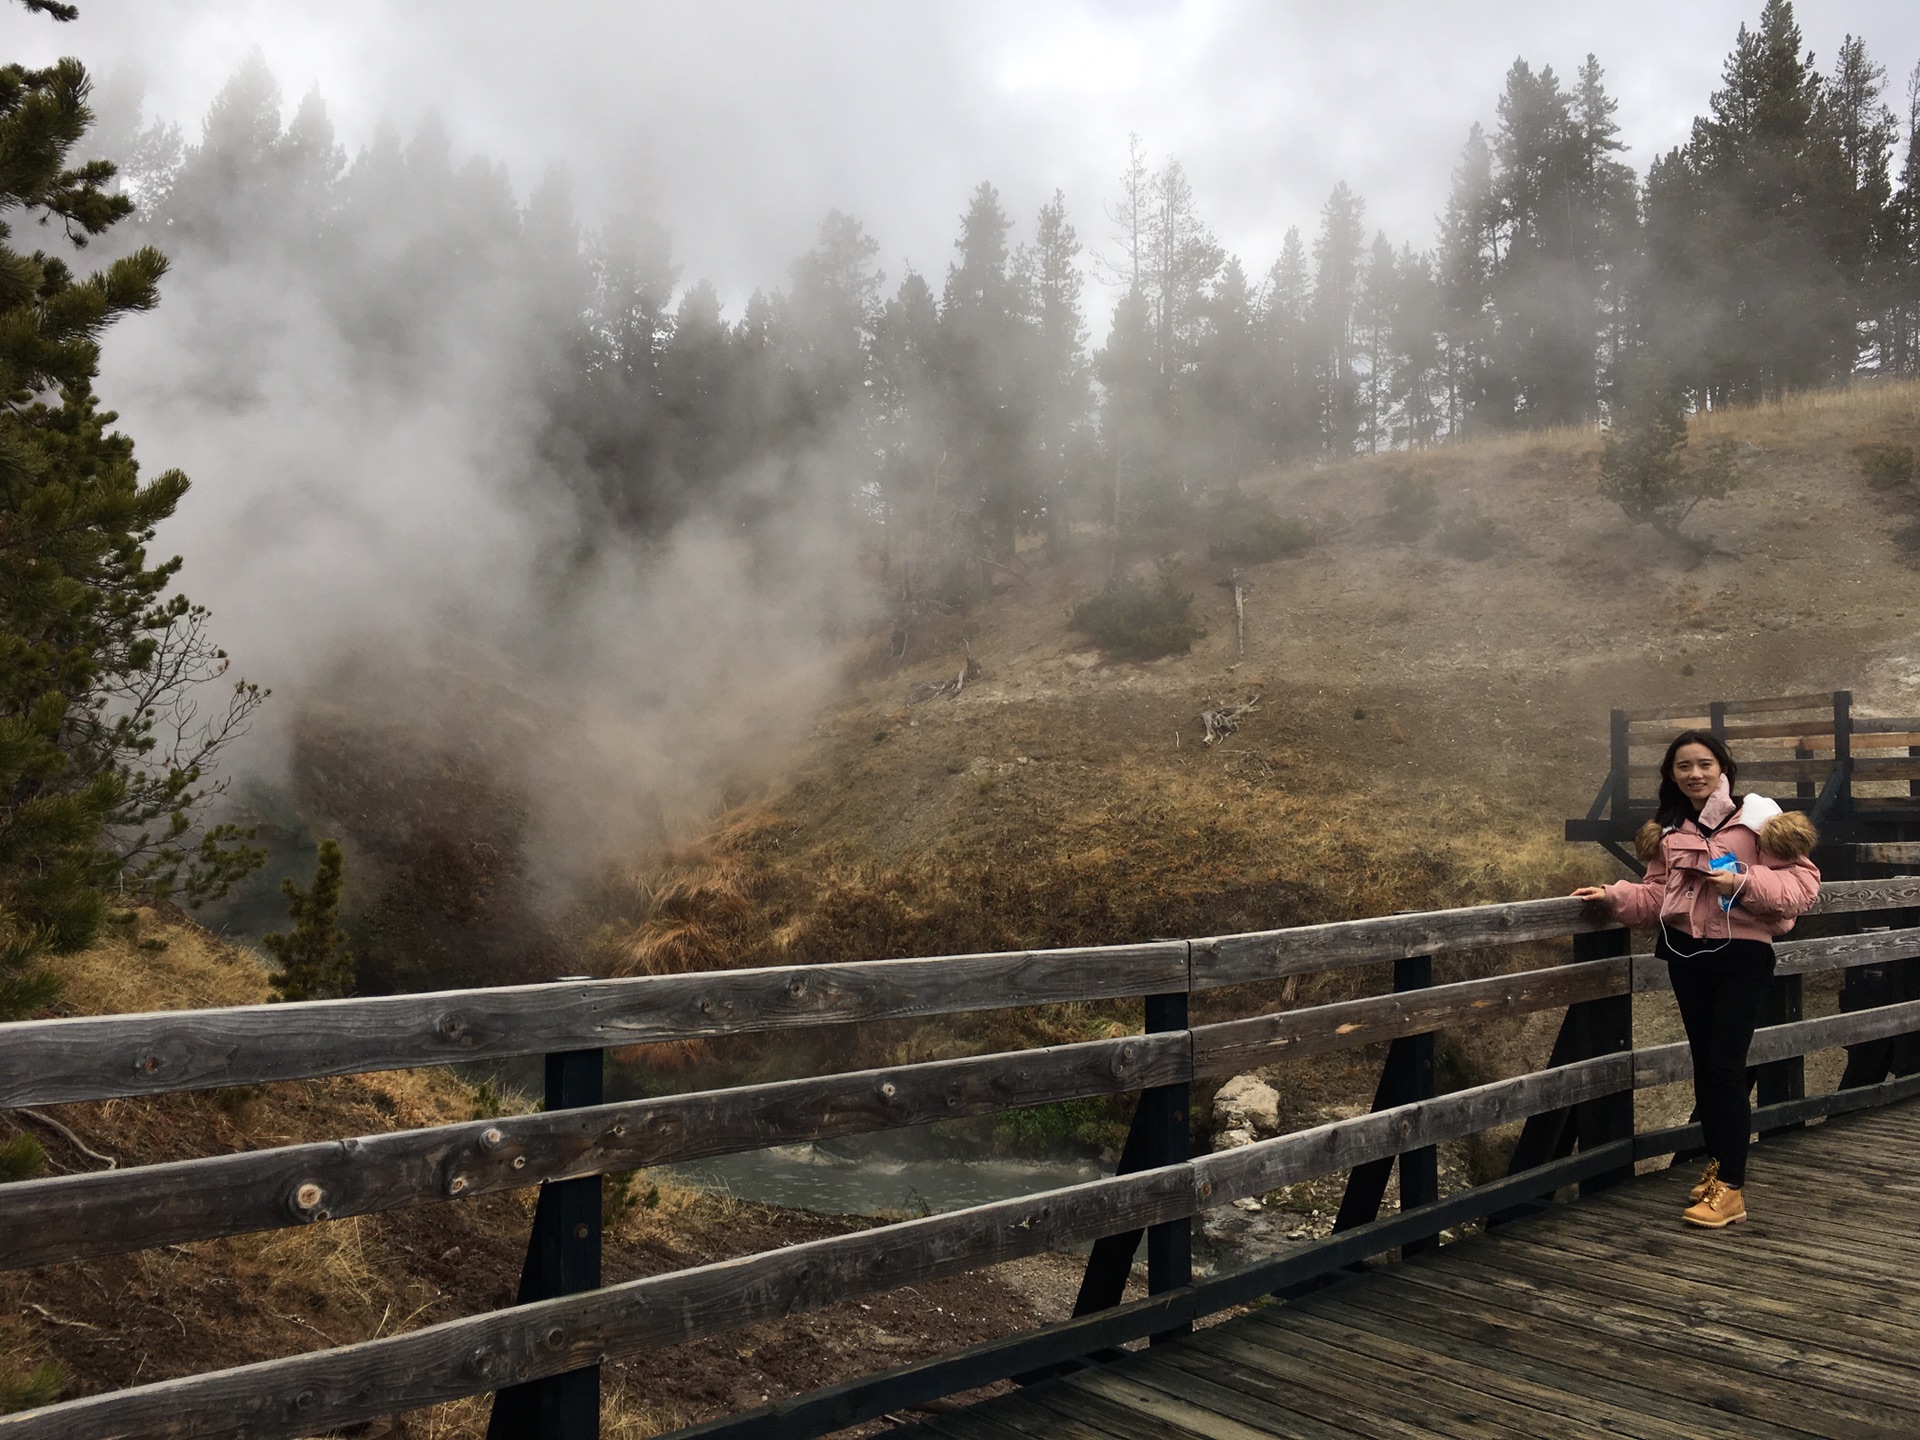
pixel 1426 720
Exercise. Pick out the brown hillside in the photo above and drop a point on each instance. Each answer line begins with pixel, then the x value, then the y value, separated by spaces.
pixel 1426 721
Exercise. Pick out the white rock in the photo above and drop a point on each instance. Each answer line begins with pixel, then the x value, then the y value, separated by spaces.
pixel 1247 1101
pixel 1232 1139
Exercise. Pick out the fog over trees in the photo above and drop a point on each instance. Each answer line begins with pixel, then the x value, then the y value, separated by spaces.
pixel 1779 248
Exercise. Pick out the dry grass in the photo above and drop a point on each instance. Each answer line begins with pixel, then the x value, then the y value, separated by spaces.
pixel 160 960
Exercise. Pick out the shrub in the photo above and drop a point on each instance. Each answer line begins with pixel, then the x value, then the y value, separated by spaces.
pixel 1467 533
pixel 1140 622
pixel 1410 507
pixel 1886 467
pixel 1047 1129
pixel 26 1390
pixel 1249 530
pixel 21 1158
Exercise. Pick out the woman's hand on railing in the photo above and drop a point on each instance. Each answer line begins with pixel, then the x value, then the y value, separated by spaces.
pixel 1590 892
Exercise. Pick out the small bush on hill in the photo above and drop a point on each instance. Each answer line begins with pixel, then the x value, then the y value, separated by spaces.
pixel 1886 467
pixel 1410 507
pixel 1248 529
pixel 1140 622
pixel 1468 534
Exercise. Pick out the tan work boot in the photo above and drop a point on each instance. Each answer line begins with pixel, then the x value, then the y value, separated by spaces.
pixel 1699 1192
pixel 1719 1207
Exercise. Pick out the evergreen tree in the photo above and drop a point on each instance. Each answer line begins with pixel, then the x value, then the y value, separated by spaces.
pixel 1417 381
pixel 1376 328
pixel 1645 467
pixel 1062 393
pixel 1757 250
pixel 1222 406
pixel 313 958
pixel 985 368
pixel 1291 426
pixel 101 767
pixel 1468 254
pixel 1336 294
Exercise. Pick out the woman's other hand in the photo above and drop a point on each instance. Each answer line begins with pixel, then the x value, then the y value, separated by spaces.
pixel 1590 892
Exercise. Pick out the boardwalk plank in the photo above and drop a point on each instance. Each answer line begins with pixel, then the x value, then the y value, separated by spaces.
pixel 1435 1403
pixel 1300 1407
pixel 1209 1380
pixel 1063 1400
pixel 1591 1378
pixel 1744 1363
pixel 1823 1347
pixel 1382 1341
pixel 1188 1406
pixel 1858 1299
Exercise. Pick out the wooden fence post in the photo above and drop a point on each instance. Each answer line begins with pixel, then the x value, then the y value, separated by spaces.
pixel 1617 748
pixel 1407 1076
pixel 1592 1028
pixel 563 1258
pixel 1159 1136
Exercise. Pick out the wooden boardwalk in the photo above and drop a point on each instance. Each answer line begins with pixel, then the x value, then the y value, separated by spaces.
pixel 1603 1317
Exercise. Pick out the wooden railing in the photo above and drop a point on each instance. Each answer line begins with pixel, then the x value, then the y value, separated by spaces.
pixel 541 1354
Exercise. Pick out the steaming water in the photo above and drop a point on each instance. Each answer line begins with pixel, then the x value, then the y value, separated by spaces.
pixel 877 1174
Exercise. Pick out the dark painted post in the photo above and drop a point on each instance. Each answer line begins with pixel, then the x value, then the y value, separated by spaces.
pixel 1159 1136
pixel 1617 747
pixel 1605 1028
pixel 1169 1244
pixel 1843 752
pixel 563 1258
pixel 1717 719
pixel 1406 1076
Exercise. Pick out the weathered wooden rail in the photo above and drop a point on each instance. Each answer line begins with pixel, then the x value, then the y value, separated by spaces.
pixel 541 1354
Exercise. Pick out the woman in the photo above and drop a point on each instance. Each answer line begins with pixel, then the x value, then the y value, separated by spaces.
pixel 1724 876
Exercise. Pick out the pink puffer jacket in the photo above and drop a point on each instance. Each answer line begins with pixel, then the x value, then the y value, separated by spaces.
pixel 1778 880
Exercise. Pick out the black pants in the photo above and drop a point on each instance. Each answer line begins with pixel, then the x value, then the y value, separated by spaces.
pixel 1720 1002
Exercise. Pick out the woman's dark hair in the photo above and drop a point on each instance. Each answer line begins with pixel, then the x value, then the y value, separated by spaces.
pixel 1674 805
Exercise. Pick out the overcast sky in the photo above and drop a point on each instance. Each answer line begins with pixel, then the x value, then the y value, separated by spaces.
pixel 739 123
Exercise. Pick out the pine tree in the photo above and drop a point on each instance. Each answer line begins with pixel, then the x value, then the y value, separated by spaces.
pixel 313 958
pixel 1336 293
pixel 1291 425
pixel 1468 254
pixel 1754 229
pixel 1063 395
pixel 1645 467
pixel 101 770
pixel 986 365
pixel 1377 331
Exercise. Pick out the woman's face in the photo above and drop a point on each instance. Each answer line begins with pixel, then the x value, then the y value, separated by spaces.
pixel 1696 772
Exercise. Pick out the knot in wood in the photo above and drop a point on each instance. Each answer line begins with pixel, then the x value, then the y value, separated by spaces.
pixel 147 1064
pixel 1127 1053
pixel 457 1185
pixel 453 1026
pixel 480 1363
pixel 308 1197
pixel 306 1399
pixel 797 987
pixel 556 1337
pixel 519 1162
pixel 490 1136
pixel 888 1090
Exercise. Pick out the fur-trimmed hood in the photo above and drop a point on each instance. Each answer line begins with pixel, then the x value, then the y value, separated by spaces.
pixel 1786 834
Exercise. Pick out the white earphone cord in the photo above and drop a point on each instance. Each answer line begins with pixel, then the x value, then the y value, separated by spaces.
pixel 1726 910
